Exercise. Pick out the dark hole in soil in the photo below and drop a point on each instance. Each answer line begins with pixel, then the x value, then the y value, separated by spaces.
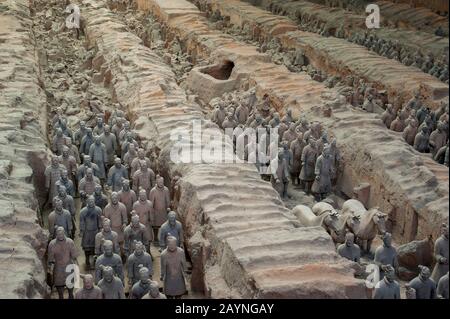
pixel 221 71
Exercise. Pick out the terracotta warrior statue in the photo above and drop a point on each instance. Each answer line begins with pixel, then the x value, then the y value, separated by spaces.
pixel 100 199
pixel 309 156
pixel 65 181
pixel 323 170
pixel 154 292
pixel 424 286
pixel 297 148
pixel 61 253
pixel 97 152
pixel 143 178
pixel 138 258
pixel 108 258
pixel 52 175
pixel 127 196
pixel 80 133
pixel 388 287
pixel 136 163
pixel 134 232
pixel 86 142
pixel 173 267
pixel 110 141
pixel 116 174
pixel 160 198
pixel 83 168
pixel 441 255
pixel 117 213
pixel 69 204
pixel 106 234
pixel 90 225
pixel 386 254
pixel 279 177
pixel 442 288
pixel 173 228
pixel 144 209
pixel 111 286
pixel 59 217
pixel 89 290
pixel 87 185
pixel 349 249
pixel 142 286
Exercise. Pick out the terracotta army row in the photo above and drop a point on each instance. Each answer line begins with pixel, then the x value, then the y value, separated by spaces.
pixel 306 156
pixel 115 228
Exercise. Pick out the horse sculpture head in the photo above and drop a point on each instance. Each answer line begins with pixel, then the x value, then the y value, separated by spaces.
pixel 331 221
pixel 379 219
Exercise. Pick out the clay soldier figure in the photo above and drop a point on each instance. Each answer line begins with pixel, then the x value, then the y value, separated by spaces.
pixel 442 288
pixel 172 227
pixel 90 225
pixel 297 148
pixel 280 174
pixel 97 152
pixel 118 127
pixel 142 286
pixel 61 253
pixel 441 255
pixel 106 234
pixel 124 132
pixel 414 103
pixel 136 163
pixel 349 249
pixel 60 217
pixel 144 209
pixel 336 161
pixel 111 286
pixel 59 141
pixel 425 286
pixel 116 174
pixel 154 292
pixel 173 266
pixel 127 196
pixel 58 117
pixel 441 153
pixel 275 121
pixel 87 185
pixel 68 204
pixel 73 150
pixel 66 131
pixel 290 135
pixel 369 104
pixel 108 258
pixel 134 232
pixel 410 132
pixel 220 114
pixel 66 182
pixel 129 139
pixel 421 140
pixel 100 199
pixel 283 128
pixel 388 287
pixel 322 183
pixel 117 213
pixel 302 126
pixel 52 175
pixel 110 141
pixel 69 162
pixel 386 254
pixel 438 138
pixel 397 125
pixel 160 198
pixel 86 142
pixel 138 258
pixel 241 114
pixel 129 157
pixel 89 290
pixel 100 127
pixel 80 133
pixel 87 164
pixel 309 156
pixel 143 178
